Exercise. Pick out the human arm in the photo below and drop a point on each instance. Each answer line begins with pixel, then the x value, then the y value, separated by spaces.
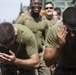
pixel 30 55
pixel 54 43
pixel 32 62
pixel 28 39
pixel 20 20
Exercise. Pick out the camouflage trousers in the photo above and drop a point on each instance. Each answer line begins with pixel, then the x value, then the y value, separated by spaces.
pixel 43 70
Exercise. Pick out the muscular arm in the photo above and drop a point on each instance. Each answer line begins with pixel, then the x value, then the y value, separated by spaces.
pixel 30 47
pixel 51 55
pixel 32 62
pixel 54 42
pixel 32 51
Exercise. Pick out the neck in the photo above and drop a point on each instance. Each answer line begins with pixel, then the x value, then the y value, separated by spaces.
pixel 49 16
pixel 35 15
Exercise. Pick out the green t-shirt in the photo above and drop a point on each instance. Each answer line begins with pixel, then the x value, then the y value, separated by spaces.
pixel 25 43
pixel 67 55
pixel 50 22
pixel 36 25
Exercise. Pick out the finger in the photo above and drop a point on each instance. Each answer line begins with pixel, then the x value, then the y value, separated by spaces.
pixel 11 52
pixel 4 58
pixel 64 32
pixel 65 27
pixel 1 53
pixel 61 31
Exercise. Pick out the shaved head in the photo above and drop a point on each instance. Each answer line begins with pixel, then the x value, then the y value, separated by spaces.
pixel 35 1
pixel 35 7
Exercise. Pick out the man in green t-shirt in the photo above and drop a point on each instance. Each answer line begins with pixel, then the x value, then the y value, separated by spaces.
pixel 18 50
pixel 61 44
pixel 49 8
pixel 34 22
pixel 38 26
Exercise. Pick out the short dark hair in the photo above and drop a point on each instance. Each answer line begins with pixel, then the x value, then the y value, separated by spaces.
pixel 6 33
pixel 74 3
pixel 58 10
pixel 21 13
pixel 28 7
pixel 48 3
pixel 69 16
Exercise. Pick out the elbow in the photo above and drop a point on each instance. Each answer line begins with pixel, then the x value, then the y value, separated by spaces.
pixel 37 65
pixel 47 62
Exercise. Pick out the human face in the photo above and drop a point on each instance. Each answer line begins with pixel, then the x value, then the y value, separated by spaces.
pixel 55 15
pixel 49 9
pixel 36 6
pixel 71 30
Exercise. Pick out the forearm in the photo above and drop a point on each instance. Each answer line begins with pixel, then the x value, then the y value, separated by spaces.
pixel 27 63
pixel 30 63
pixel 51 54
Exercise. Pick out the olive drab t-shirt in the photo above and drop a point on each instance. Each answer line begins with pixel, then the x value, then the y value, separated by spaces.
pixel 25 43
pixel 36 25
pixel 67 56
pixel 50 22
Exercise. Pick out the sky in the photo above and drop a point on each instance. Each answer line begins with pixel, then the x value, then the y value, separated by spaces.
pixel 9 9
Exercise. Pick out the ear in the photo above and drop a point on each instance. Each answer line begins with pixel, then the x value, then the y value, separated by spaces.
pixel 15 31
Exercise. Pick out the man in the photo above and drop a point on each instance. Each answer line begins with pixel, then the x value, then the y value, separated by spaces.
pixel 18 50
pixel 28 10
pixel 61 44
pixel 74 2
pixel 49 8
pixel 38 26
pixel 57 14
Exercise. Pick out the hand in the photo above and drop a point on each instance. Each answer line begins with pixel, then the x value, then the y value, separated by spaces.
pixel 62 35
pixel 10 59
pixel 53 67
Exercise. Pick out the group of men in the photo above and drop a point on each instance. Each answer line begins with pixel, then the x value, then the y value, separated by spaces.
pixel 34 42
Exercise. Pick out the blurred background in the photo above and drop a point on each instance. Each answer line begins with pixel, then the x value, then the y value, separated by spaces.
pixel 10 9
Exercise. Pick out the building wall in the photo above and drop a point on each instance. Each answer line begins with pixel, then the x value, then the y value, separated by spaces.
pixel 63 4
